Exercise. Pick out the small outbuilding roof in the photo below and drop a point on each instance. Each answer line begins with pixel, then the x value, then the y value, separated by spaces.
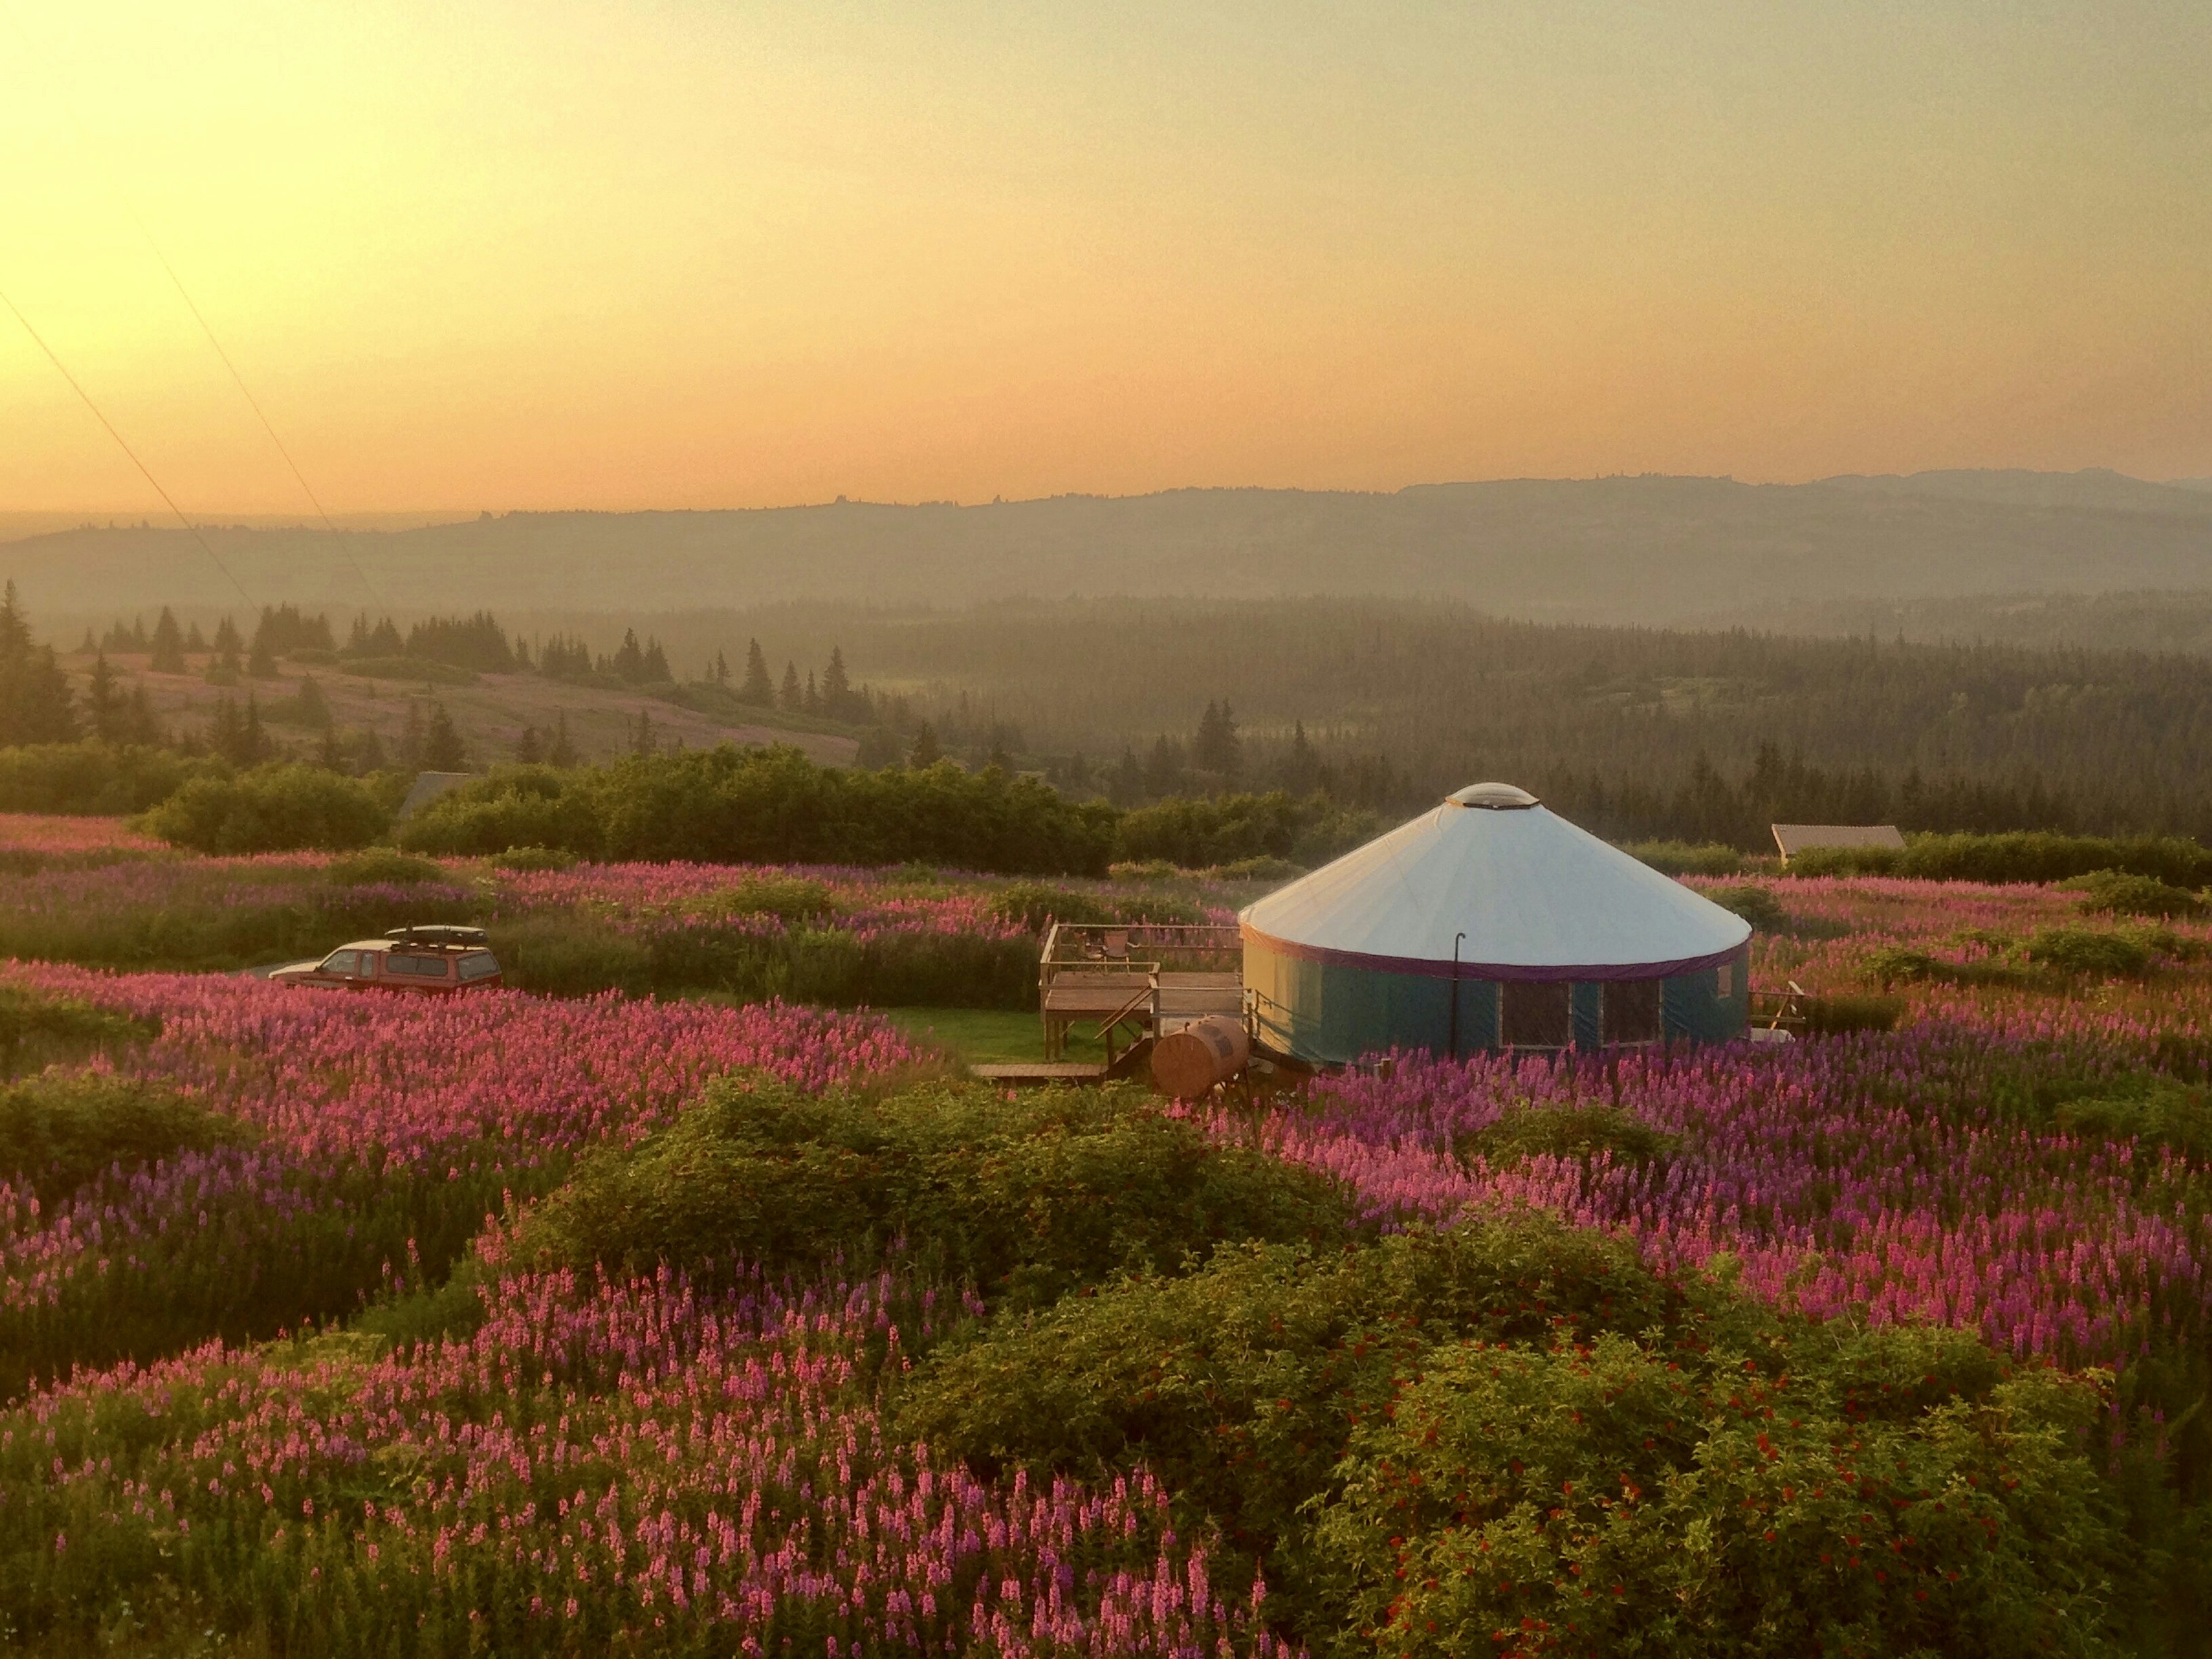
pixel 428 787
pixel 1521 892
pixel 1792 839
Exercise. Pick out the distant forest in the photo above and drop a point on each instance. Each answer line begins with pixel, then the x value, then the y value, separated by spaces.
pixel 1389 704
pixel 1636 732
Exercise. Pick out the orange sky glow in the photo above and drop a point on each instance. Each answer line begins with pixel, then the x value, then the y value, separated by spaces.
pixel 693 253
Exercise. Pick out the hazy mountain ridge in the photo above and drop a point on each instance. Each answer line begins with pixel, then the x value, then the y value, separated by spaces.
pixel 1648 549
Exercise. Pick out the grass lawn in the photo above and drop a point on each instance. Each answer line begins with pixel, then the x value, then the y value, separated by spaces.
pixel 987 1036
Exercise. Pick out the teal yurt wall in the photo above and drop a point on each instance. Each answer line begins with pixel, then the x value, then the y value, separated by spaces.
pixel 1491 922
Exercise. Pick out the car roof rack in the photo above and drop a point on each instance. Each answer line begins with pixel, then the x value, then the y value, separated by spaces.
pixel 435 932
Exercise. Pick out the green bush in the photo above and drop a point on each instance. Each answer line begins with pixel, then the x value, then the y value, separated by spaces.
pixel 37 1030
pixel 1037 905
pixel 1682 858
pixel 537 808
pixel 771 806
pixel 2018 856
pixel 1583 1133
pixel 60 1129
pixel 96 779
pixel 1835 1016
pixel 2114 892
pixel 2089 952
pixel 2149 1109
pixel 271 809
pixel 1755 904
pixel 1028 1197
pixel 383 866
pixel 1482 1423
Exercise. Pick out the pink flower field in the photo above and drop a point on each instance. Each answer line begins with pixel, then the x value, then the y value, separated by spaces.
pixel 189 1396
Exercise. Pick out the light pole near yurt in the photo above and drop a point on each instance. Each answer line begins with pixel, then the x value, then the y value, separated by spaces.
pixel 1562 941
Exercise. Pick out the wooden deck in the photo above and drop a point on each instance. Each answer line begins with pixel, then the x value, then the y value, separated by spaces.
pixel 1036 1071
pixel 1140 979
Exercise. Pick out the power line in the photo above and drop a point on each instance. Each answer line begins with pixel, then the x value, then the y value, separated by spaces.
pixel 84 141
pixel 62 369
pixel 344 551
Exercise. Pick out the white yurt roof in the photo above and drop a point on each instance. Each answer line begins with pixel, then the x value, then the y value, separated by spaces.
pixel 1536 897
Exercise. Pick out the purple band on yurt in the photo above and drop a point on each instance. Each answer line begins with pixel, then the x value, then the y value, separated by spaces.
pixel 1422 967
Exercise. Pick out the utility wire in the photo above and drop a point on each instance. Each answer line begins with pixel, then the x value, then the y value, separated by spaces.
pixel 252 402
pixel 75 386
pixel 84 141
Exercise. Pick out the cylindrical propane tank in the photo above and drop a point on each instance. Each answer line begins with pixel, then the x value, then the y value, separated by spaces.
pixel 1189 1062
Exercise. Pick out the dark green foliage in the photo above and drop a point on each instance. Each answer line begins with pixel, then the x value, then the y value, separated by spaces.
pixel 1584 1133
pixel 1038 904
pixel 383 866
pixel 249 1270
pixel 1583 1411
pixel 774 806
pixel 35 702
pixel 2025 856
pixel 2148 1108
pixel 271 809
pixel 1834 1016
pixel 1029 1198
pixel 1755 904
pixel 2115 892
pixel 96 779
pixel 36 1030
pixel 422 670
pixel 2089 952
pixel 1199 833
pixel 474 642
pixel 540 807
pixel 60 1129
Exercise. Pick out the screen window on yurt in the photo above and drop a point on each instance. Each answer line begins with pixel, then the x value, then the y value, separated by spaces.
pixel 1631 1010
pixel 1537 1014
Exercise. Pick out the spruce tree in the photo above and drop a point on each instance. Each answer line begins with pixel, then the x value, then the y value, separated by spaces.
pixel 794 696
pixel 925 751
pixel 562 751
pixel 103 702
pixel 194 641
pixel 35 702
pixel 254 747
pixel 168 645
pixel 528 749
pixel 139 724
pixel 758 690
pixel 411 738
pixel 314 707
pixel 836 688
pixel 442 750
pixel 812 705
pixel 720 674
pixel 261 662
pixel 641 741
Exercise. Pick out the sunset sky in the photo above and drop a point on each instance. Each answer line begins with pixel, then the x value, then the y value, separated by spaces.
pixel 694 254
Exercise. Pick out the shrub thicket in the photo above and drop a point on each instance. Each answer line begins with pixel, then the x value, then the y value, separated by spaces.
pixel 2019 856
pixel 96 779
pixel 1029 1198
pixel 271 809
pixel 1432 1442
pixel 768 806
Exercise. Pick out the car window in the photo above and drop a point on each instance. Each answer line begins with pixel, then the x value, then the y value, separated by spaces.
pixel 416 967
pixel 342 961
pixel 479 964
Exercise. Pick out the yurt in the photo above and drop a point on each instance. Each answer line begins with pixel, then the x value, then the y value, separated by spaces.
pixel 1489 922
